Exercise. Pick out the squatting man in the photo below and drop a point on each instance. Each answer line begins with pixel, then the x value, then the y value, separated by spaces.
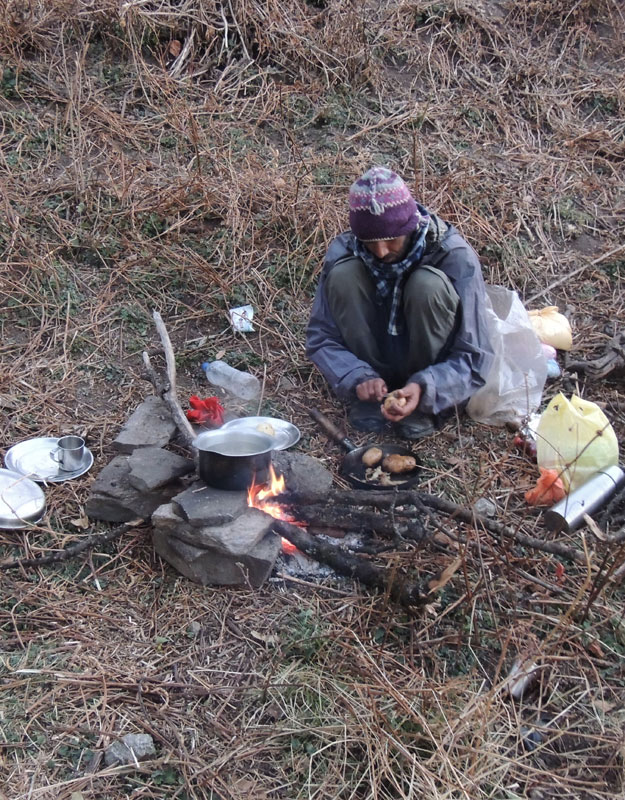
pixel 399 308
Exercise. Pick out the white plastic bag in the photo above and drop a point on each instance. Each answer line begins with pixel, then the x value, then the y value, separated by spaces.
pixel 514 386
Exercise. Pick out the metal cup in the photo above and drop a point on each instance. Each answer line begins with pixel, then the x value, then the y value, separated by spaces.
pixel 69 453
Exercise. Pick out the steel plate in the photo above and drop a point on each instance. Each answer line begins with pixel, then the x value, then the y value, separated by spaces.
pixel 285 434
pixel 22 502
pixel 32 458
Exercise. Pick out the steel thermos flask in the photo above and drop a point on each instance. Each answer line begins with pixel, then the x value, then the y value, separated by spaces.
pixel 568 514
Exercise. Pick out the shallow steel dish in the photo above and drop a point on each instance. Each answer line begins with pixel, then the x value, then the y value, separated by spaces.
pixel 22 503
pixel 32 458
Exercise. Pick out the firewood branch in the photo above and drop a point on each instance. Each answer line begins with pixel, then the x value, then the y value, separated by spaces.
pixel 168 390
pixel 393 526
pixel 384 500
pixel 386 581
pixel 94 540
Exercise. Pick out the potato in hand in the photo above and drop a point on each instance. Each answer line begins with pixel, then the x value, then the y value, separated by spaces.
pixel 394 399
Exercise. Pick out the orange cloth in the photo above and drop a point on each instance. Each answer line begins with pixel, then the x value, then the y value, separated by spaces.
pixel 205 411
pixel 548 490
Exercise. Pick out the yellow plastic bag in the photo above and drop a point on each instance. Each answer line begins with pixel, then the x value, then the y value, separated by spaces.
pixel 575 438
pixel 551 327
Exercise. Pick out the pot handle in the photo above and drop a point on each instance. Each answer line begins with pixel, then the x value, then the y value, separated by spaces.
pixel 330 429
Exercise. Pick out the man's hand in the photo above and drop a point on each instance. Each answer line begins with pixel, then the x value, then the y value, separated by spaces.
pixel 412 393
pixel 372 390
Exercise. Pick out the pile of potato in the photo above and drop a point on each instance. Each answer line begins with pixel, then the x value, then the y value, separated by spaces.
pixel 380 468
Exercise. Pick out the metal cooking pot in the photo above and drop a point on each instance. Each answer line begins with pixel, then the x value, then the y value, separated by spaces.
pixel 234 458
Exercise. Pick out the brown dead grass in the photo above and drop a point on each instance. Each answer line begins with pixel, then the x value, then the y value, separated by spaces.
pixel 189 156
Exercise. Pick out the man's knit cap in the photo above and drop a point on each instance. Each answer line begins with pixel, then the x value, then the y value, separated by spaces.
pixel 381 206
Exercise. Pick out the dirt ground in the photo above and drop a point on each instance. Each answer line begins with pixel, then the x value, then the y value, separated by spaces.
pixel 188 157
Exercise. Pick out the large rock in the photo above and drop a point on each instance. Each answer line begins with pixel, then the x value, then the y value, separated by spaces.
pixel 114 499
pixel 150 425
pixel 152 467
pixel 303 474
pixel 202 505
pixel 236 538
pixel 210 567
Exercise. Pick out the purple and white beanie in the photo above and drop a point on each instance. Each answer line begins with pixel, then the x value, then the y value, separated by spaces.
pixel 381 206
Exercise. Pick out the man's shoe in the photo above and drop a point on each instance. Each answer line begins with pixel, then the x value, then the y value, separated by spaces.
pixel 366 417
pixel 416 426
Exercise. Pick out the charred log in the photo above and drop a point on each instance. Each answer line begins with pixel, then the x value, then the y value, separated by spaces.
pixel 347 518
pixel 345 563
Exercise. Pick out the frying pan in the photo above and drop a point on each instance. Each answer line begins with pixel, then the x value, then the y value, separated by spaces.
pixel 352 467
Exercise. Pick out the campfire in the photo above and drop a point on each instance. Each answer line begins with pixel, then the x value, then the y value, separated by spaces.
pixel 261 496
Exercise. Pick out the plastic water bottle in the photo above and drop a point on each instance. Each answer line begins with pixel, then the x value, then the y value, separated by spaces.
pixel 234 381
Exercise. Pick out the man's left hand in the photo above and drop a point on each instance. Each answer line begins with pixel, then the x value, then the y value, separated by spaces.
pixel 395 412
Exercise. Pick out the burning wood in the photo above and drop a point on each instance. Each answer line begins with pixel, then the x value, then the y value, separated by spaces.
pixel 295 537
pixel 261 496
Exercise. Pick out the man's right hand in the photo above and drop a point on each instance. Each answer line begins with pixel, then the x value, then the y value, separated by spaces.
pixel 372 391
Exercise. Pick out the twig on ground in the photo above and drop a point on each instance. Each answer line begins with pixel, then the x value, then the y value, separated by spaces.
pixel 73 550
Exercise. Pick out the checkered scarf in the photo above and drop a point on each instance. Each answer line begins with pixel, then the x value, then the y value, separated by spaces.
pixel 391 277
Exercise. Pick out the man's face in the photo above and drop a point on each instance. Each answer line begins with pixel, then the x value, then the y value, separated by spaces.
pixel 389 251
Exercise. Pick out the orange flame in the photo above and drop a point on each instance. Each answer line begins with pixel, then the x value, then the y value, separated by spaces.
pixel 259 495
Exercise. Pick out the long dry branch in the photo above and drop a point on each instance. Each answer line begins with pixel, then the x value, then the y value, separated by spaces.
pixel 72 550
pixel 382 500
pixel 168 391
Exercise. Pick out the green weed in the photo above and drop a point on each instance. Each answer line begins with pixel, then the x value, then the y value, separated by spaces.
pixel 8 83
pixel 153 224
pixel 306 638
pixel 614 269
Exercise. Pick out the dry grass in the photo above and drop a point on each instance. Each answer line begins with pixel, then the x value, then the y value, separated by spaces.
pixel 189 156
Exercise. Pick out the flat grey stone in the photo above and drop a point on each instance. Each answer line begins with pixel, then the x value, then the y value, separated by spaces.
pixel 210 567
pixel 237 538
pixel 303 474
pixel 113 499
pixel 167 520
pixel 485 507
pixel 150 425
pixel 202 505
pixel 131 748
pixel 153 467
